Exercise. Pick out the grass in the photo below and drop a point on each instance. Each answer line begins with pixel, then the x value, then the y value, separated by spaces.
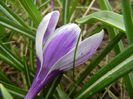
pixel 17 54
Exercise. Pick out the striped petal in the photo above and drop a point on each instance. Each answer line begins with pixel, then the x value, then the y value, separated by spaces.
pixel 45 29
pixel 85 50
pixel 57 46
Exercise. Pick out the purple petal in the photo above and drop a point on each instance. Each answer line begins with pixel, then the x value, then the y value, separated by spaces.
pixel 58 45
pixel 37 85
pixel 85 50
pixel 45 28
pixel 61 43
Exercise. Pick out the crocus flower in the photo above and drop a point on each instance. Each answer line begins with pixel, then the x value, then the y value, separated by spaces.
pixel 55 50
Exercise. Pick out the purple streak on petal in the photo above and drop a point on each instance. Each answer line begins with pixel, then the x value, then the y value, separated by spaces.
pixel 51 26
pixel 52 5
pixel 60 44
pixel 85 50
pixel 45 28
pixel 37 86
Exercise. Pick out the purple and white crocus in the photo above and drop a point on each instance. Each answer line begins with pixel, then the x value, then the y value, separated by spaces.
pixel 55 50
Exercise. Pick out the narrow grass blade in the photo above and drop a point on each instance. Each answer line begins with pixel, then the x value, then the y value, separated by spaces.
pixel 16 27
pixel 31 55
pixel 75 55
pixel 2 32
pixel 11 15
pixel 61 93
pixel 65 11
pixel 5 93
pixel 107 17
pixel 75 2
pixel 32 11
pixel 9 61
pixel 27 73
pixel 127 16
pixel 3 77
pixel 52 87
pixel 44 4
pixel 116 61
pixel 97 60
pixel 15 91
pixel 9 57
pixel 116 68
pixel 60 3
pixel 104 5
pixel 128 80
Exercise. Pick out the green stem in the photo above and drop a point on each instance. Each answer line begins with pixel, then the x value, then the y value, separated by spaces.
pixel 75 55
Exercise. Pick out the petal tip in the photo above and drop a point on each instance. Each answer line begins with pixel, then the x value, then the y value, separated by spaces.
pixel 101 33
pixel 99 36
pixel 56 12
pixel 75 27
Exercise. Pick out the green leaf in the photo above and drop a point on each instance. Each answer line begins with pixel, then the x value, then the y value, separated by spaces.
pixel 60 3
pixel 16 27
pixel 27 73
pixel 5 93
pixel 128 80
pixel 127 16
pixel 11 15
pixel 65 14
pixel 116 68
pixel 13 26
pixel 32 11
pixel 10 58
pixel 107 17
pixel 97 60
pixel 104 5
pixel 31 55
pixel 2 32
pixel 62 94
pixel 18 93
pixel 50 90
pixel 44 4
pixel 3 77
pixel 74 58
pixel 75 2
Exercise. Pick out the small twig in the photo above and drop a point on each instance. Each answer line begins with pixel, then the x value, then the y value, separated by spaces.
pixel 8 42
pixel 46 10
pixel 91 4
